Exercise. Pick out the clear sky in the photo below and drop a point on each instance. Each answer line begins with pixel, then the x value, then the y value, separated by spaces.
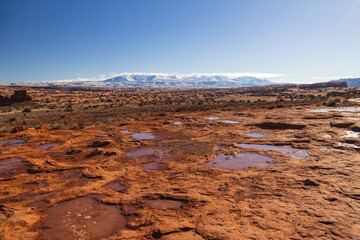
pixel 302 40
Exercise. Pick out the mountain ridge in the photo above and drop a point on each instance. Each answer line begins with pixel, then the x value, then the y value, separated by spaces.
pixel 163 80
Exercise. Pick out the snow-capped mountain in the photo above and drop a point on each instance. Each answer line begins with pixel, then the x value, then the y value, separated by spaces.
pixel 184 80
pixel 163 80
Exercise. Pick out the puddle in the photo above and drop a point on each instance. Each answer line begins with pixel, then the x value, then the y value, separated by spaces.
pixel 104 135
pixel 116 186
pixel 299 154
pixel 11 167
pixel 240 161
pixel 163 204
pixel 285 149
pixel 14 141
pixel 350 109
pixel 82 218
pixel 18 144
pixel 125 131
pixel 348 145
pixel 351 134
pixel 356 119
pixel 143 153
pixel 213 118
pixel 228 121
pixel 178 123
pixel 153 166
pixel 245 117
pixel 143 136
pixel 327 136
pixel 256 134
pixel 47 146
pixel 289 151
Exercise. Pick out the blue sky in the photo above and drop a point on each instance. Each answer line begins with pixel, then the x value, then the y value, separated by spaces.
pixel 297 40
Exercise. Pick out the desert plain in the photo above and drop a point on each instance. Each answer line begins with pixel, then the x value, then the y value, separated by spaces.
pixel 268 163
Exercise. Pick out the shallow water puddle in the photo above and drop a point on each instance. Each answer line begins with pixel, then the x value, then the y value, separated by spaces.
pixel 348 145
pixel 82 218
pixel 289 151
pixel 116 186
pixel 213 118
pixel 241 161
pixel 153 166
pixel 18 144
pixel 14 141
pixel 228 121
pixel 178 122
pixel 11 167
pixel 163 204
pixel 143 136
pixel 351 134
pixel 326 110
pixel 125 131
pixel 47 146
pixel 256 134
pixel 143 153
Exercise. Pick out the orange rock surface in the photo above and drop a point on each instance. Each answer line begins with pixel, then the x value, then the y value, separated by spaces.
pixel 89 175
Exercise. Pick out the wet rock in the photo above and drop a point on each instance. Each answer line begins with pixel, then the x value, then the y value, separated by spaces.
pixel 279 125
pixel 98 144
pixel 18 129
pixel 73 151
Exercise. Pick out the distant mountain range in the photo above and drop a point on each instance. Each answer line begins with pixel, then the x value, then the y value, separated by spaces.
pixel 162 80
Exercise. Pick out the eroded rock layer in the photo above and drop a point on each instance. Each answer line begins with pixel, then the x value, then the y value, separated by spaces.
pixel 151 179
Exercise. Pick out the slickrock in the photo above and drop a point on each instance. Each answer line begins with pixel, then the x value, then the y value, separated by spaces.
pixel 100 183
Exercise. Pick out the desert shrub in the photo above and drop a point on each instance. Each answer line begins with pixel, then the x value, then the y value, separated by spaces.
pixel 334 101
pixel 25 110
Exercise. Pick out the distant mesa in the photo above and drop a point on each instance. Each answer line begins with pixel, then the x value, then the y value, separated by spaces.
pixel 18 96
pixel 351 82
